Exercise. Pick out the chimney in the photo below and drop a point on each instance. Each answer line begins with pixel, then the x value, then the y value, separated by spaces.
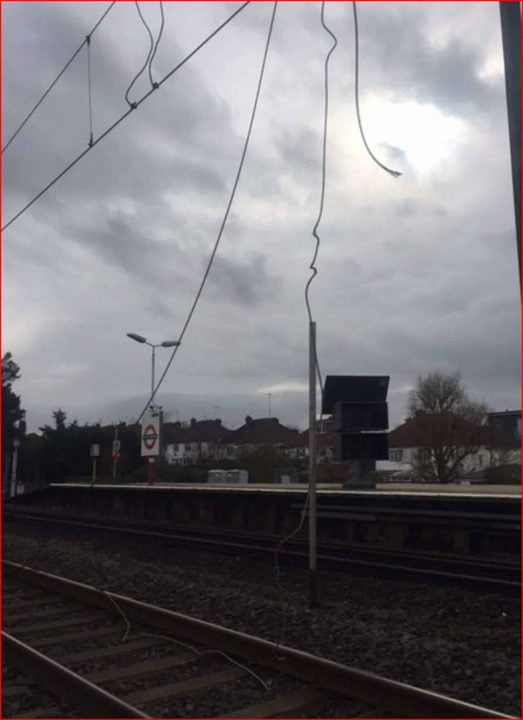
pixel 193 422
pixel 248 420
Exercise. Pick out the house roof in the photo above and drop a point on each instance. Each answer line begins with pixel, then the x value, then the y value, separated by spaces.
pixel 197 431
pixel 262 431
pixel 421 430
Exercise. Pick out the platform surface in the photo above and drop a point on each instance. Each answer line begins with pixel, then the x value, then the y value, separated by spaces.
pixel 509 491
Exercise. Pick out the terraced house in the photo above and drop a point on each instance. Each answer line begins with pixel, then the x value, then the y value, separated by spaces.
pixel 189 445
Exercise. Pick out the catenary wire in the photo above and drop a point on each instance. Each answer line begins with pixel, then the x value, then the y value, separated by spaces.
pixel 162 23
pixel 46 93
pixel 394 173
pixel 149 54
pixel 226 214
pixel 123 116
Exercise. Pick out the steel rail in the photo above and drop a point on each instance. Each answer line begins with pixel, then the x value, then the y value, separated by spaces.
pixel 64 683
pixel 348 681
pixel 390 567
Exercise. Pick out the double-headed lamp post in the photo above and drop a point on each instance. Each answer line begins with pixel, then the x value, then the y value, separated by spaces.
pixel 165 344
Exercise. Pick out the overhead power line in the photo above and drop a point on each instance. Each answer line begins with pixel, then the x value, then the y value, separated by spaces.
pixel 226 214
pixel 51 86
pixel 124 116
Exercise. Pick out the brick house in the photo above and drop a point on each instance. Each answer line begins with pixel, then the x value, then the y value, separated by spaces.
pixel 257 434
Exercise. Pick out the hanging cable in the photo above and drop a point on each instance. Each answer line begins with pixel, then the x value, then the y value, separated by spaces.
pixel 323 174
pixel 314 273
pixel 226 214
pixel 122 117
pixel 88 39
pixel 151 46
pixel 394 173
pixel 154 85
pixel 46 93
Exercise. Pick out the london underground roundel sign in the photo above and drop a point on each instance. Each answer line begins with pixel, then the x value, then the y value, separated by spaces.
pixel 151 435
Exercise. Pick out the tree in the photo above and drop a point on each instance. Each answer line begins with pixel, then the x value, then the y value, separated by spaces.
pixel 447 426
pixel 12 412
pixel 59 417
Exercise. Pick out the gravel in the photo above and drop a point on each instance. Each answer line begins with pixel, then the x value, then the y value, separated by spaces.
pixel 457 642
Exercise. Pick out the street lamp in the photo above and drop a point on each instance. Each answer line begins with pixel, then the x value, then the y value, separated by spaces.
pixel 165 343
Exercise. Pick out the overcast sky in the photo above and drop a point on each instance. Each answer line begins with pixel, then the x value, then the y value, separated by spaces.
pixel 414 274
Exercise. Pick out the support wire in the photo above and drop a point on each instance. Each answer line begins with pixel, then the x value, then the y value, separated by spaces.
pixel 46 93
pixel 123 116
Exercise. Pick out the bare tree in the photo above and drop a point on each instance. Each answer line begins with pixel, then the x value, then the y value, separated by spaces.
pixel 447 425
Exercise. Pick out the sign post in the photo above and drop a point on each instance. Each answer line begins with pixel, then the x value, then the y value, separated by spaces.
pixel 14 465
pixel 116 451
pixel 95 453
pixel 151 425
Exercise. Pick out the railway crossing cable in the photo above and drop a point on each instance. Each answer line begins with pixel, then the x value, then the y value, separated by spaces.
pixel 46 93
pixel 124 116
pixel 225 217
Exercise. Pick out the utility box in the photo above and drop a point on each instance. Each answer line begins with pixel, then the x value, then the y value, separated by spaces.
pixel 237 477
pixel 228 477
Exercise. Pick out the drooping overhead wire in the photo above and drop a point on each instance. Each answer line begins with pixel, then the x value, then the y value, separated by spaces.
pixel 225 216
pixel 312 266
pixel 51 86
pixel 394 173
pixel 149 54
pixel 124 116
pixel 162 23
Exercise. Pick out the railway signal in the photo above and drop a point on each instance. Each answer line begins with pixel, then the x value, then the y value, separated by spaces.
pixel 360 415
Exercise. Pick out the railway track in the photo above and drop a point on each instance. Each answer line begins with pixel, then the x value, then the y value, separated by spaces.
pixel 485 575
pixel 88 653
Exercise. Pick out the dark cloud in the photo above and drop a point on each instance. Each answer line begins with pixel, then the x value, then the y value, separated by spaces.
pixel 398 55
pixel 246 282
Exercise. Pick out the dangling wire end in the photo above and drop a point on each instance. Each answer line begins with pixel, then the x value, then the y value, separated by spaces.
pixel 394 173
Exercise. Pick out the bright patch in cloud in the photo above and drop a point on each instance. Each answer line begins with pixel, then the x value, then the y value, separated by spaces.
pixel 284 387
pixel 425 134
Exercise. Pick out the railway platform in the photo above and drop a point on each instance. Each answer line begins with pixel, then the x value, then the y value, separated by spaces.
pixel 465 522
